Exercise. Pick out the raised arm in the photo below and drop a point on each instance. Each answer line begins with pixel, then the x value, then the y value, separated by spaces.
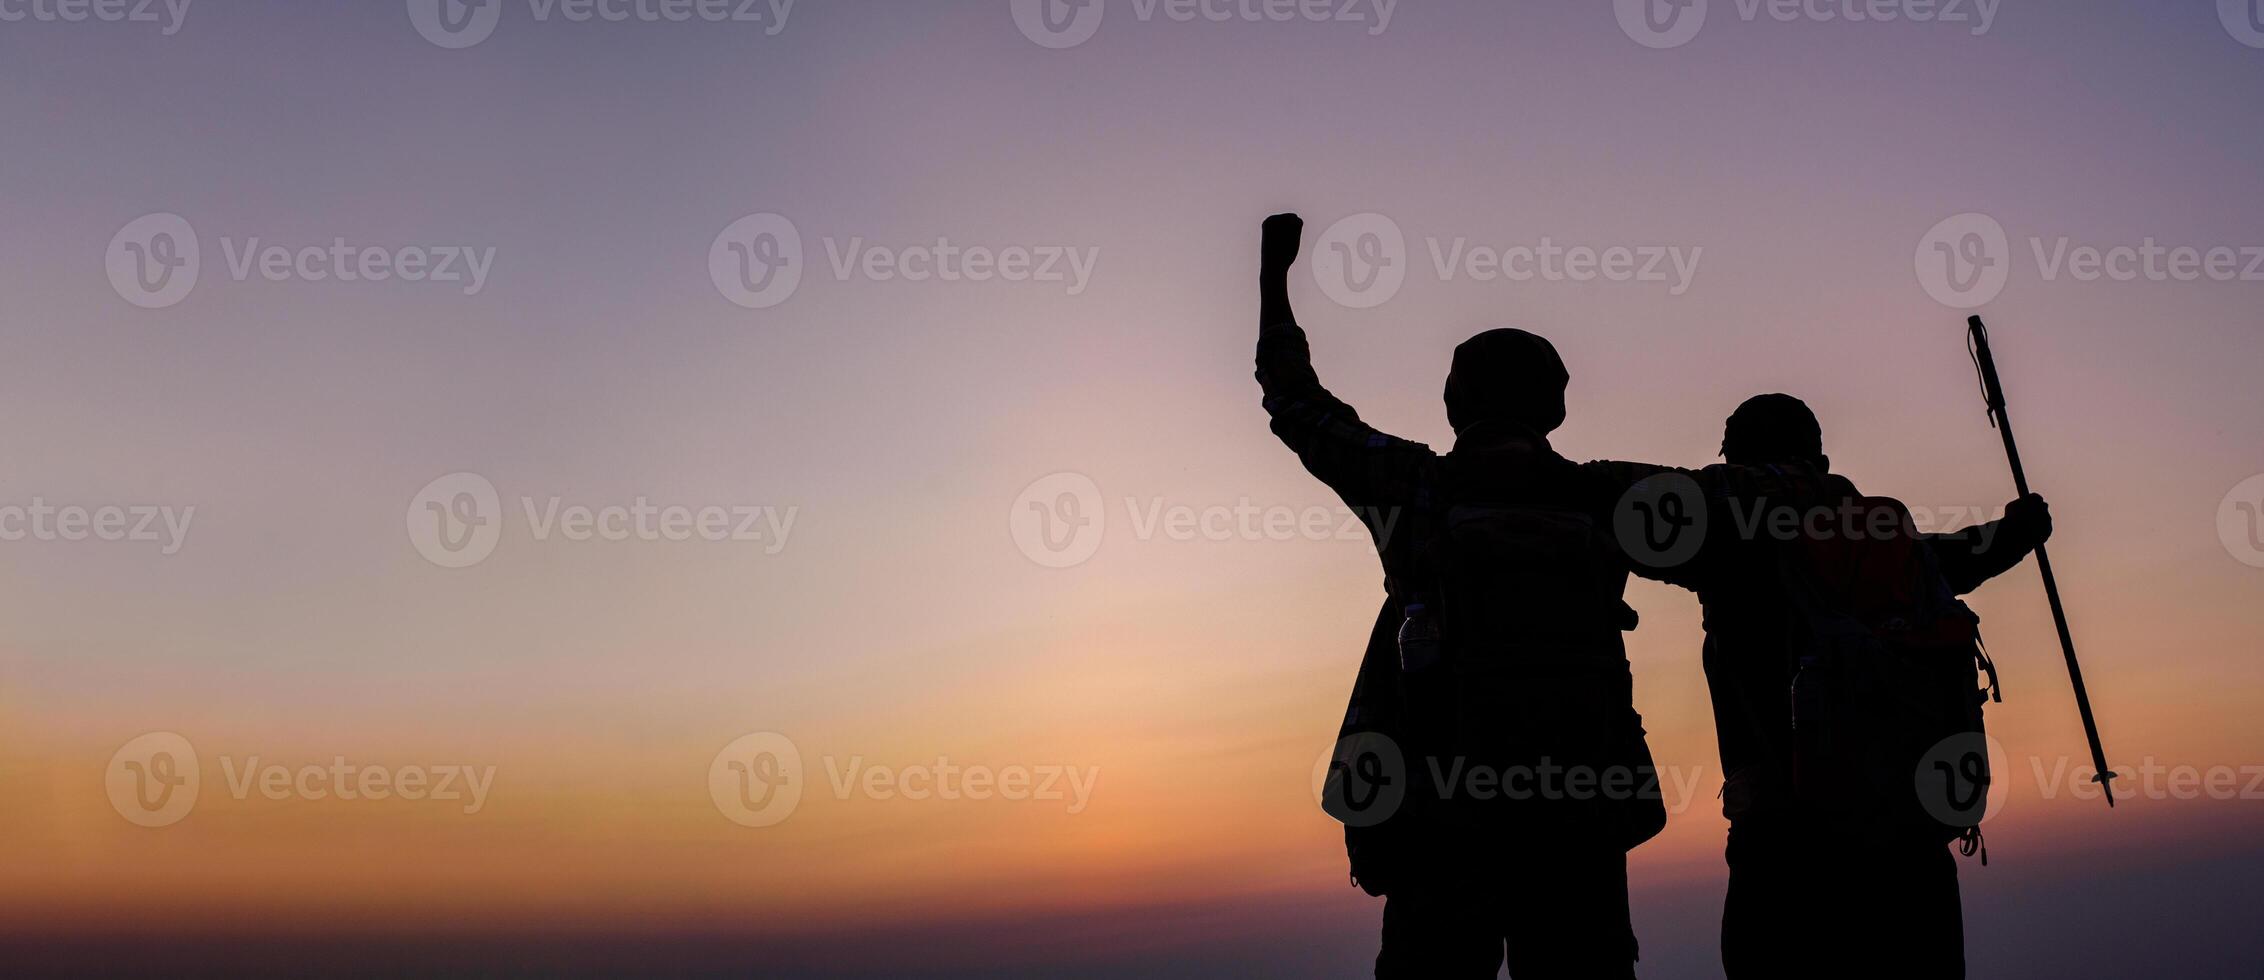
pixel 1364 466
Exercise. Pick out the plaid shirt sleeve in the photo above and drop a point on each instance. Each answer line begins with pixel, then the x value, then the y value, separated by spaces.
pixel 1366 467
pixel 1733 496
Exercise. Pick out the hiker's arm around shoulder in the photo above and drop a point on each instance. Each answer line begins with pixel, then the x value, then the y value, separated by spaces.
pixel 1985 551
pixel 1662 516
pixel 1688 528
pixel 1362 464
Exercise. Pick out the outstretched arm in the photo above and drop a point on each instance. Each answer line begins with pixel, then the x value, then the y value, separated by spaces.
pixel 1985 551
pixel 1364 466
pixel 1653 509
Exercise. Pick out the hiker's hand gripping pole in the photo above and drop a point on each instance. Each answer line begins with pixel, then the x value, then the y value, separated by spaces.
pixel 1978 341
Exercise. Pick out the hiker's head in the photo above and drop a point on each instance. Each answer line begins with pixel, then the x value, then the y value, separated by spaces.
pixel 1506 376
pixel 1774 429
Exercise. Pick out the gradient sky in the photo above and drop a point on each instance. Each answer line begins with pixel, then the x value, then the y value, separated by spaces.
pixel 899 622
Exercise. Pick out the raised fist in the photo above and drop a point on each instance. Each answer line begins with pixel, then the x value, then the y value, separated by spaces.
pixel 1283 233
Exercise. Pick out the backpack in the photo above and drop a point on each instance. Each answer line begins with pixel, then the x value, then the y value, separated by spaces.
pixel 1532 682
pixel 1523 588
pixel 1887 738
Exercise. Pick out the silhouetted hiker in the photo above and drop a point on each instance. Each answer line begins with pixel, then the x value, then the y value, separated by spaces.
pixel 1843 871
pixel 1840 663
pixel 1497 773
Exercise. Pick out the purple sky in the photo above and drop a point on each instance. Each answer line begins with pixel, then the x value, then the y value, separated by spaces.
pixel 1794 166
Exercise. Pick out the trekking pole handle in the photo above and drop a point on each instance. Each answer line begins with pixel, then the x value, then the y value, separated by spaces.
pixel 1993 392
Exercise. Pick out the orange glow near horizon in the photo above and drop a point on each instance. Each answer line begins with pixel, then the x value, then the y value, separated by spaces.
pixel 1195 678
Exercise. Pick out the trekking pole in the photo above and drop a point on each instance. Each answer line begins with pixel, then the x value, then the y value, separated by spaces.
pixel 1978 342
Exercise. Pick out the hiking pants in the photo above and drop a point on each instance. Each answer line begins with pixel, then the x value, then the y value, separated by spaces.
pixel 1561 913
pixel 1804 908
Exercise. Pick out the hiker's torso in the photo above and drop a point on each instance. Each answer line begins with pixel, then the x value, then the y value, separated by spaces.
pixel 1559 603
pixel 1506 543
pixel 1755 624
pixel 1749 621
